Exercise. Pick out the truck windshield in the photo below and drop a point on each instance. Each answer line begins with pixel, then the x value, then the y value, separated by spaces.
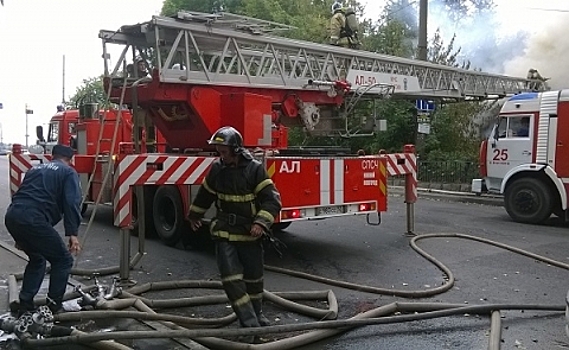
pixel 53 133
pixel 513 126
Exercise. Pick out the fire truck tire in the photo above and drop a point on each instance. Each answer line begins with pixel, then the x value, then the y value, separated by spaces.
pixel 528 200
pixel 281 226
pixel 168 214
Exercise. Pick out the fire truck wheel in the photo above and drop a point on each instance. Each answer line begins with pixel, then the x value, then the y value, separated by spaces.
pixel 281 226
pixel 528 200
pixel 168 214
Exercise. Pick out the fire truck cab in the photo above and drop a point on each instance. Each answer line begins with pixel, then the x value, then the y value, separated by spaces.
pixel 61 129
pixel 81 130
pixel 526 157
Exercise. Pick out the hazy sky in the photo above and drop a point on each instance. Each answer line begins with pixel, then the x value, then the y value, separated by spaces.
pixel 35 34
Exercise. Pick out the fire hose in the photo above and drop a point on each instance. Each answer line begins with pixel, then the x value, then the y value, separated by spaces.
pixel 327 326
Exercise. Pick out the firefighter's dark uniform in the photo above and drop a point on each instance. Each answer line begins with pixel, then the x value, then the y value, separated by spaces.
pixel 243 195
pixel 47 191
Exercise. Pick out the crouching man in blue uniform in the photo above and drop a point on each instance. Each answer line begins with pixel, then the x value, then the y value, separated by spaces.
pixel 48 191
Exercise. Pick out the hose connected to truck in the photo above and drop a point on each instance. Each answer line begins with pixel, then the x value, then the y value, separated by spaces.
pixel 212 337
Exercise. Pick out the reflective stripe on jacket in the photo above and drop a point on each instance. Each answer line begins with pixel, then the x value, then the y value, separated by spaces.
pixel 243 191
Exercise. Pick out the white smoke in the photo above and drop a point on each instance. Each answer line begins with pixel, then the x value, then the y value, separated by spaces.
pixel 509 42
pixel 516 36
pixel 547 51
pixel 479 37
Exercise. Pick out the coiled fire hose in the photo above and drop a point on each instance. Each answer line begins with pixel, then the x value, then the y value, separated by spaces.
pixel 212 338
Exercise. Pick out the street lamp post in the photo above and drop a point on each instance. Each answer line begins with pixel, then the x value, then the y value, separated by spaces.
pixel 28 111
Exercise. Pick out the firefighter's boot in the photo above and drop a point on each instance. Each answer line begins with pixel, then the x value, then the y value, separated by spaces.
pixel 246 315
pixel 258 306
pixel 247 318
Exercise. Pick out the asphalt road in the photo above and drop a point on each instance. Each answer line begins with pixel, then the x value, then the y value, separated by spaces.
pixel 348 249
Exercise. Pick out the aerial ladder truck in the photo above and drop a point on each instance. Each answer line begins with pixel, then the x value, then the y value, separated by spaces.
pixel 213 70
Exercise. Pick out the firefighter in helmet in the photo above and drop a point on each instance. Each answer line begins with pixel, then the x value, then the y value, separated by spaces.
pixel 343 27
pixel 139 69
pixel 538 81
pixel 247 203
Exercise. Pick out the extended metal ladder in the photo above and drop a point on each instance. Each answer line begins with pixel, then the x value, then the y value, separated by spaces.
pixel 226 49
pixel 103 160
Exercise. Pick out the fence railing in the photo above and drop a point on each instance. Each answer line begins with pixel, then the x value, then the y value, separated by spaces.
pixel 447 172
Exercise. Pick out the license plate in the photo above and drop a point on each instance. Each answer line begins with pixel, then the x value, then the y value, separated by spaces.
pixel 330 210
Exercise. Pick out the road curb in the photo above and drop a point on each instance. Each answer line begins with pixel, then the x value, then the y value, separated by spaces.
pixel 451 196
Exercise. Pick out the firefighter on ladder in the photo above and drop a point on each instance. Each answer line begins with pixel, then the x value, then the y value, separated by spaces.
pixel 538 80
pixel 343 32
pixel 343 27
pixel 247 203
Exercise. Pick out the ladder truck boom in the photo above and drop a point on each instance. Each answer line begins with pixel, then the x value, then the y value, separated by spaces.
pixel 309 84
pixel 222 50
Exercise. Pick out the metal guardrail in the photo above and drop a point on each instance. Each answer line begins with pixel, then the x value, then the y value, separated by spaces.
pixel 447 172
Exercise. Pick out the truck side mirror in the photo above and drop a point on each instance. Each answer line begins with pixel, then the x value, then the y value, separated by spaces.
pixel 39 133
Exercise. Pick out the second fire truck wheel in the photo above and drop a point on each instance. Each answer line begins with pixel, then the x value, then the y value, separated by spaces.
pixel 528 200
pixel 168 214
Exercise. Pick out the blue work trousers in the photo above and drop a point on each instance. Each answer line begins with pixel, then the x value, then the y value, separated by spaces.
pixel 40 241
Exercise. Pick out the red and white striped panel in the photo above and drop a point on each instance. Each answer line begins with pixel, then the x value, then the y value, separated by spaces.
pixel 401 163
pixel 331 181
pixel 404 164
pixel 20 163
pixel 153 170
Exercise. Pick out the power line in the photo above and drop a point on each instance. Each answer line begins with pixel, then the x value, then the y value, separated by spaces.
pixel 548 10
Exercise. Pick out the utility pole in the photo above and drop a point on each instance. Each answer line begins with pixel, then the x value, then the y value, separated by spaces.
pixel 28 111
pixel 63 85
pixel 423 12
pixel 422 55
pixel 27 126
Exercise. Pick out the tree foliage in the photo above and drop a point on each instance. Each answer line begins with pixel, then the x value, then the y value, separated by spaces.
pixel 91 90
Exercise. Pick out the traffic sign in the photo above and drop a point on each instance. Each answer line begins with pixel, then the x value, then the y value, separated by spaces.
pixel 425 105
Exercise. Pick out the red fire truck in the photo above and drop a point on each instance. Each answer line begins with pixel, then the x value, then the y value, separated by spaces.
pixel 87 121
pixel 524 159
pixel 206 71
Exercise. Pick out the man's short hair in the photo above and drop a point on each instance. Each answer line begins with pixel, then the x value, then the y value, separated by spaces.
pixel 62 151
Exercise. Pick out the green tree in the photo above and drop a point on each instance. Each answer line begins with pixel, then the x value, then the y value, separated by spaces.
pixel 91 90
pixel 171 7
pixel 452 126
pixel 310 17
pixel 445 54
